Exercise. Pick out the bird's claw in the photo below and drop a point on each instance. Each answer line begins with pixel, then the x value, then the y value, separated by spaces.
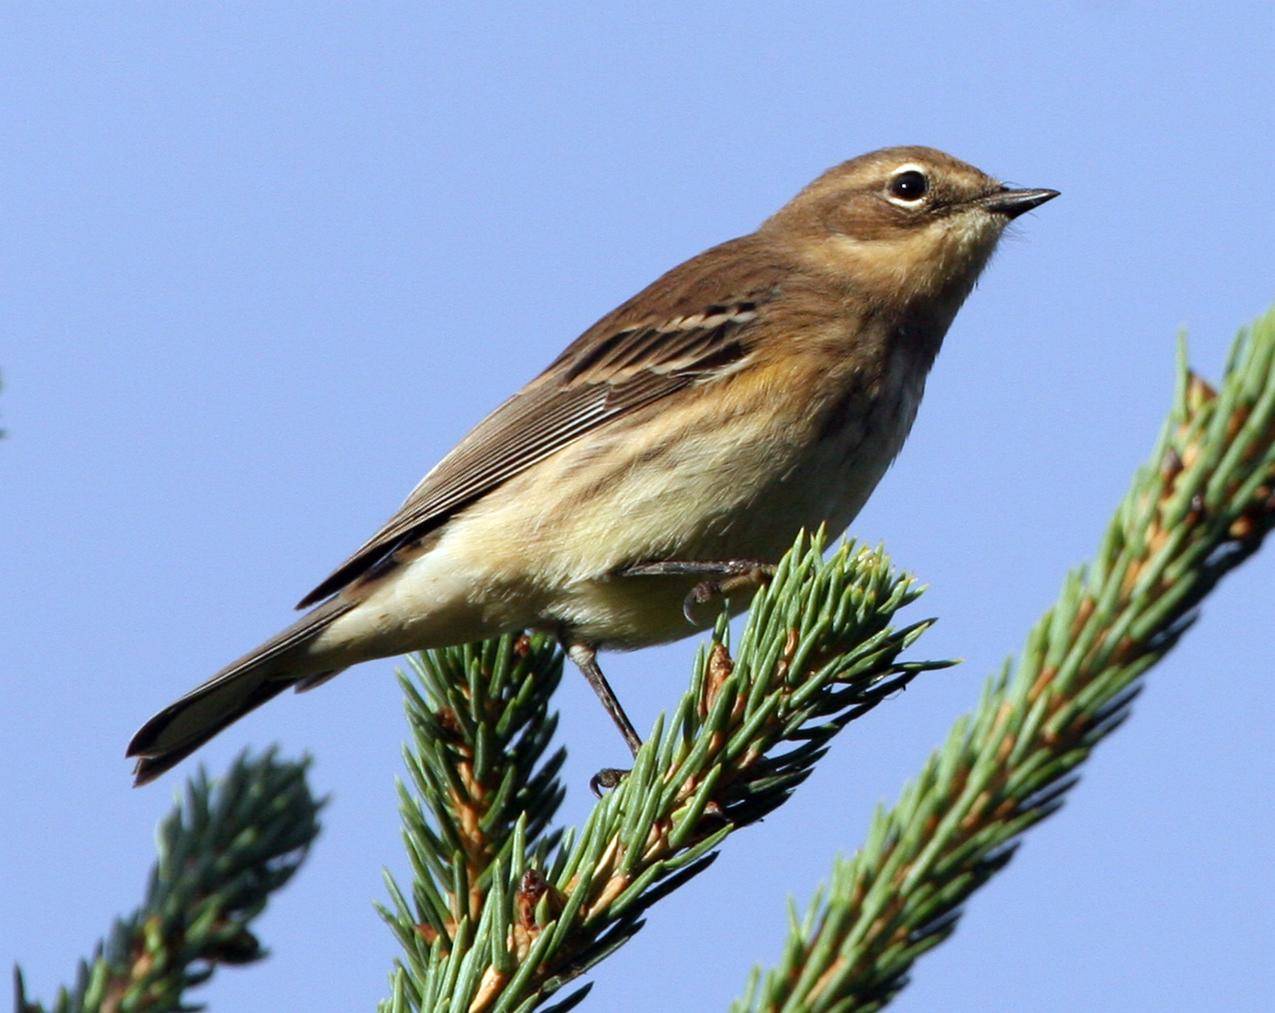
pixel 748 574
pixel 606 779
pixel 701 594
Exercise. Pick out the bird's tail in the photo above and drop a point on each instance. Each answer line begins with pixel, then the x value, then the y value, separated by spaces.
pixel 182 727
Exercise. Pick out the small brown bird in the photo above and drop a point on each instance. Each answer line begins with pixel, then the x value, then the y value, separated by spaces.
pixel 759 388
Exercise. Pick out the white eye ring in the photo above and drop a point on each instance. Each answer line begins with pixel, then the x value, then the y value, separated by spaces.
pixel 906 178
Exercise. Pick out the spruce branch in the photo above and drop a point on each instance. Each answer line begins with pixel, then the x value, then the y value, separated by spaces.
pixel 1199 508
pixel 481 725
pixel 817 651
pixel 221 854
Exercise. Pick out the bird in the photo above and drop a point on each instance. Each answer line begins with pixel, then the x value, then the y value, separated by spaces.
pixel 675 448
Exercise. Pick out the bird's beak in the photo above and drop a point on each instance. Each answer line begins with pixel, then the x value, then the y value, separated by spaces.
pixel 1012 203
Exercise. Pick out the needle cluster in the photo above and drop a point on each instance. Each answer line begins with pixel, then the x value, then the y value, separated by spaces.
pixel 222 853
pixel 503 914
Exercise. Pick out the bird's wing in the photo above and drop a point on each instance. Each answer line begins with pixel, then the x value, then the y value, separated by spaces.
pixel 691 323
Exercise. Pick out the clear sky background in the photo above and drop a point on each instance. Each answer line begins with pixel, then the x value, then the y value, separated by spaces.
pixel 264 264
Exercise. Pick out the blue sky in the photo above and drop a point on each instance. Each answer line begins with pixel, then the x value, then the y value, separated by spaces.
pixel 264 264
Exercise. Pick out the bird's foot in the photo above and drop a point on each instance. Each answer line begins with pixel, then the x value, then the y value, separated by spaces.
pixel 606 779
pixel 720 578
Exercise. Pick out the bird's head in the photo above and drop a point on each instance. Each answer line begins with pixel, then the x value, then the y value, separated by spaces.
pixel 902 224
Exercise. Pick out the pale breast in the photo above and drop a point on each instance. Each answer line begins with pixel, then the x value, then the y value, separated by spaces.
pixel 861 434
pixel 748 507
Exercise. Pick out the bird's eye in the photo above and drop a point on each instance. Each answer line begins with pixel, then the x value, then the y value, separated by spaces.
pixel 908 186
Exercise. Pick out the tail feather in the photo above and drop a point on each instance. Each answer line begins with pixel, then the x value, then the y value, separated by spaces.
pixel 182 727
pixel 204 718
pixel 309 682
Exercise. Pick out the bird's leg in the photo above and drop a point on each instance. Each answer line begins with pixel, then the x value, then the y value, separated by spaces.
pixel 720 578
pixel 586 659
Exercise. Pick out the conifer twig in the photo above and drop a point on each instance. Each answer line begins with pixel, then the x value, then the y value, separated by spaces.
pixel 817 651
pixel 481 726
pixel 1199 508
pixel 221 854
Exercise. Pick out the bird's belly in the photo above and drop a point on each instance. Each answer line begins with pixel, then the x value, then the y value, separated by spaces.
pixel 824 486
